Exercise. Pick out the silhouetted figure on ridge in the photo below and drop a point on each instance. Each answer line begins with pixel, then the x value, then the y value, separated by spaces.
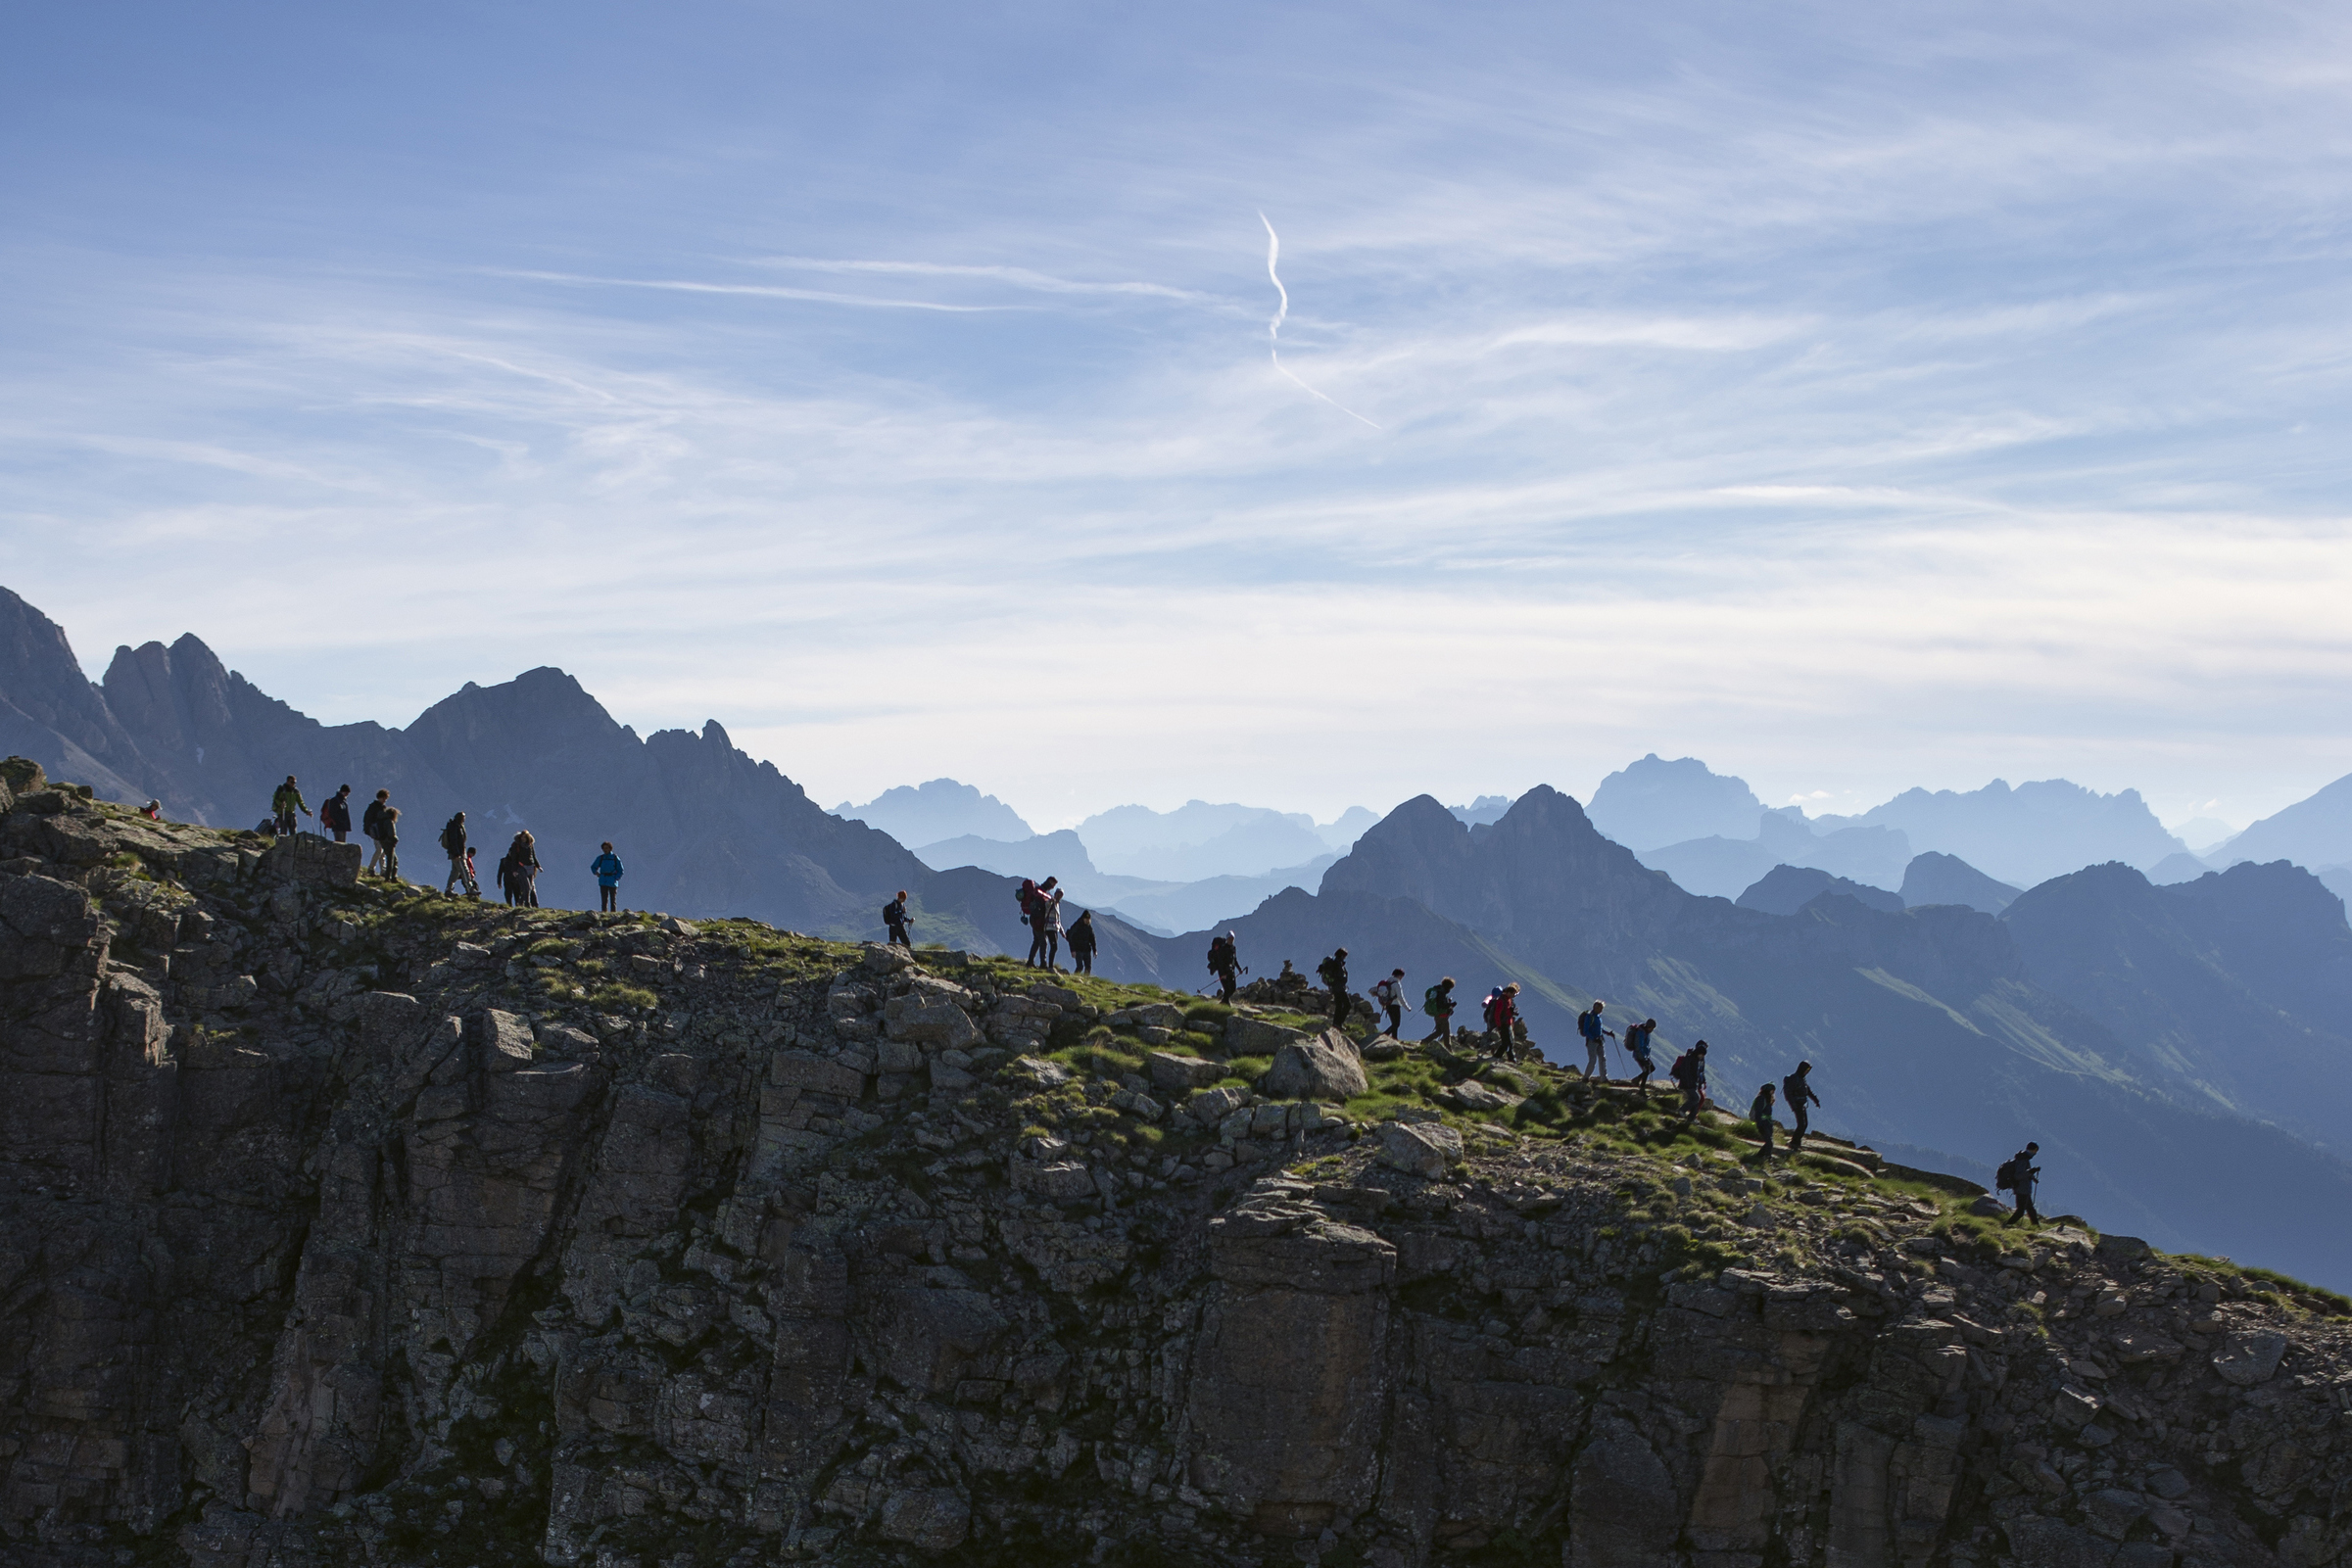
pixel 334 814
pixel 1333 972
pixel 1636 1046
pixel 1690 1073
pixel 1081 943
pixel 1797 1093
pixel 371 824
pixel 1760 1111
pixel 1225 962
pixel 2020 1176
pixel 1438 1002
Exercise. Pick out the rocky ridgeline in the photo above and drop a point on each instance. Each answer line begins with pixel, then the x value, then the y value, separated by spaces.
pixel 343 1224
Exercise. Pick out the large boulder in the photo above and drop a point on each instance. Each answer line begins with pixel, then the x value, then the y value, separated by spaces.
pixel 1319 1066
pixel 1247 1036
pixel 1423 1149
pixel 1170 1070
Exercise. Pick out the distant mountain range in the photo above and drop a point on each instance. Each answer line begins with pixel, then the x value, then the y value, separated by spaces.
pixel 926 813
pixel 2181 1052
pixel 1711 833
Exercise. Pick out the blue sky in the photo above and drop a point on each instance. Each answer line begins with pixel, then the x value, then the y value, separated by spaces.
pixel 1854 396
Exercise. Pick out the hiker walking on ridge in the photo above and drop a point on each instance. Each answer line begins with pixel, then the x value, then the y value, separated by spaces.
pixel 608 871
pixel 1690 1072
pixel 1333 973
pixel 1081 943
pixel 522 871
pixel 452 844
pixel 388 842
pixel 371 824
pixel 1225 962
pixel 1051 903
pixel 1636 1045
pixel 894 919
pixel 2020 1176
pixel 1035 898
pixel 334 814
pixel 1760 1111
pixel 1596 1042
pixel 1438 1002
pixel 284 804
pixel 1797 1093
pixel 1503 1017
pixel 1390 995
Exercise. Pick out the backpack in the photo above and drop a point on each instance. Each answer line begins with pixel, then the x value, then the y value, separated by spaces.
pixel 1490 1011
pixel 1794 1091
pixel 1437 1001
pixel 1684 1072
pixel 888 915
pixel 452 838
pixel 2006 1178
pixel 1588 1024
pixel 371 817
pixel 1222 954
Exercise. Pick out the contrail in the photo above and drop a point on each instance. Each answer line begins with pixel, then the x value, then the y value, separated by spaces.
pixel 1273 328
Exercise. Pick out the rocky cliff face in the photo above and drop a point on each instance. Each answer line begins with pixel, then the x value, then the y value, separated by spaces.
pixel 340 1227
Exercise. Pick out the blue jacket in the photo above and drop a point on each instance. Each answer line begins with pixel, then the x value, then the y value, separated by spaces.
pixel 607 866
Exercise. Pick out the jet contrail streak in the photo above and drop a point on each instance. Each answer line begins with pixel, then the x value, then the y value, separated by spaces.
pixel 1273 328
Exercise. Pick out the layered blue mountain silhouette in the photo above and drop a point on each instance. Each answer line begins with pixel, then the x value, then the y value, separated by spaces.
pixel 2177 1051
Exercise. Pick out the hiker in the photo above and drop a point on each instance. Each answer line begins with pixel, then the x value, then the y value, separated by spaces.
pixel 334 814
pixel 1036 899
pixel 1636 1045
pixel 1390 995
pixel 894 919
pixel 522 871
pixel 1503 1017
pixel 1690 1072
pixel 1438 1002
pixel 472 886
pixel 1797 1093
pixel 1333 973
pixel 608 870
pixel 388 842
pixel 1081 943
pixel 1596 1042
pixel 370 821
pixel 1050 901
pixel 284 804
pixel 452 844
pixel 1225 962
pixel 2019 1177
pixel 153 811
pixel 1760 1111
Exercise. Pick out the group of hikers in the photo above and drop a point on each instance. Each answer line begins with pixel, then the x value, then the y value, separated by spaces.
pixel 379 824
pixel 1505 1037
pixel 1041 912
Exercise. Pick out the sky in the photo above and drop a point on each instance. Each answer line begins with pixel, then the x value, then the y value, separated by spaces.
pixel 1854 396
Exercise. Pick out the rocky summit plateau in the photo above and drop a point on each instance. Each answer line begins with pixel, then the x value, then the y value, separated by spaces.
pixel 345 1223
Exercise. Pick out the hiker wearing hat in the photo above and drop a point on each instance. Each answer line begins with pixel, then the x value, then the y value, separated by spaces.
pixel 284 804
pixel 1333 972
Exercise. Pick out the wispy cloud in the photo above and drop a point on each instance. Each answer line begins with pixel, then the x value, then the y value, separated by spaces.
pixel 756 291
